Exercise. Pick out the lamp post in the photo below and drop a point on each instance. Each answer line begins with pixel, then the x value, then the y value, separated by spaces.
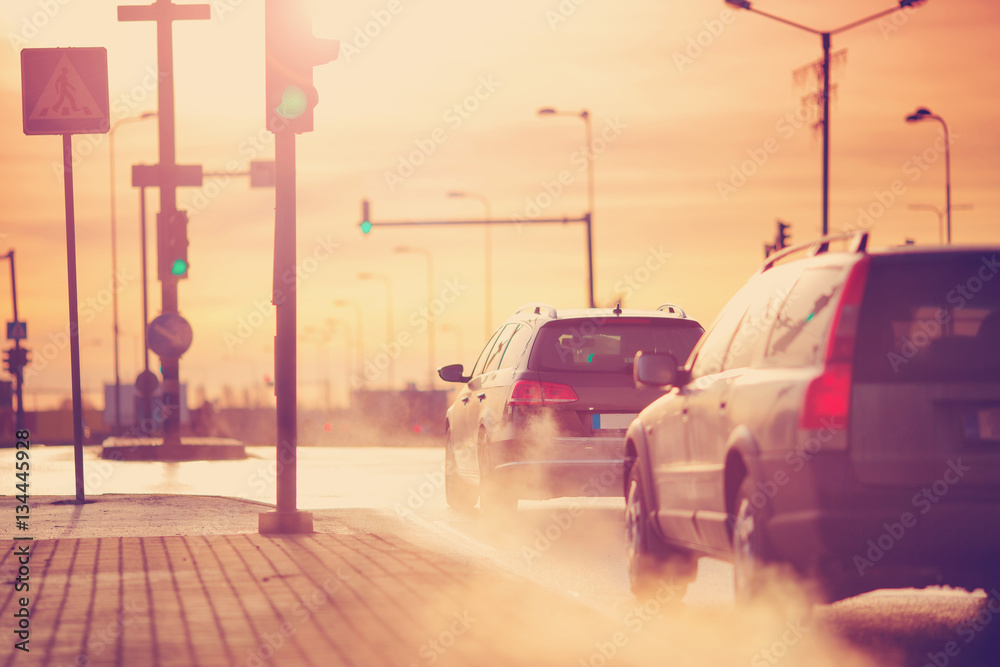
pixel 365 275
pixel 359 318
pixel 114 257
pixel 825 35
pixel 923 114
pixel 489 257
pixel 585 116
pixel 937 210
pixel 430 299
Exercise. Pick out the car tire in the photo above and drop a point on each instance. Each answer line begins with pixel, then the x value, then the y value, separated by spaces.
pixel 458 494
pixel 652 565
pixel 749 552
pixel 494 498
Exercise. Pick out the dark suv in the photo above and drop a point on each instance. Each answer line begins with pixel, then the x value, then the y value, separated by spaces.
pixel 544 409
pixel 841 417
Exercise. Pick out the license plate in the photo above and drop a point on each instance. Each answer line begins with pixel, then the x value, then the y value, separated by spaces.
pixel 983 424
pixel 611 421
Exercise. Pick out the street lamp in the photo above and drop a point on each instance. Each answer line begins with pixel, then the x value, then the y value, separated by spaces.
pixel 923 114
pixel 345 303
pixel 489 257
pixel 940 214
pixel 745 4
pixel 114 257
pixel 430 300
pixel 585 115
pixel 365 275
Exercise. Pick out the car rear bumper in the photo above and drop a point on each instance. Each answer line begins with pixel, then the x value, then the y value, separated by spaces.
pixel 955 544
pixel 562 467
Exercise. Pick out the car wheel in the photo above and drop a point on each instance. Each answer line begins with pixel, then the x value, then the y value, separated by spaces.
pixel 494 498
pixel 456 492
pixel 749 558
pixel 652 565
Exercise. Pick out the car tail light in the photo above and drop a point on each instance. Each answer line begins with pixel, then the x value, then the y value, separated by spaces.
pixel 828 397
pixel 533 392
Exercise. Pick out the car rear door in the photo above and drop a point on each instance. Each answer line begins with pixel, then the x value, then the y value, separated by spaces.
pixel 925 403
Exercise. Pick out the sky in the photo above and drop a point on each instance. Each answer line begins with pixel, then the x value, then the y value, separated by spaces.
pixel 704 138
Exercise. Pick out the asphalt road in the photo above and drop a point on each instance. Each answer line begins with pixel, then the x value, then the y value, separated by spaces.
pixel 575 547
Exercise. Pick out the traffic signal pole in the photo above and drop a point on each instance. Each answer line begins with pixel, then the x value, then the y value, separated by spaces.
pixel 19 373
pixel 367 225
pixel 291 52
pixel 285 352
pixel 164 13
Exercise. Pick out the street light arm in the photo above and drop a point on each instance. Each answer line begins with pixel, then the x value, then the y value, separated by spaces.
pixel 746 5
pixel 902 5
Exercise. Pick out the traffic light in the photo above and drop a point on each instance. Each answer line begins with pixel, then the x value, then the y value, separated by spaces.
pixel 15 359
pixel 782 239
pixel 366 223
pixel 172 245
pixel 291 52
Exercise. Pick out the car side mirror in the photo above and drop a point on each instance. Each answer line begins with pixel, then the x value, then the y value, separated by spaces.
pixel 452 373
pixel 660 370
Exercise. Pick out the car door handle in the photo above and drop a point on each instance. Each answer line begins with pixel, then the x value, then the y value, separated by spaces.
pixel 481 396
pixel 722 406
pixel 465 399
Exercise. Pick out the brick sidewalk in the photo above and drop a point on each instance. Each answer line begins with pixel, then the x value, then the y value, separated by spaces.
pixel 334 598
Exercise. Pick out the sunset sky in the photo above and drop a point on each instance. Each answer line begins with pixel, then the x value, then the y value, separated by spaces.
pixel 687 95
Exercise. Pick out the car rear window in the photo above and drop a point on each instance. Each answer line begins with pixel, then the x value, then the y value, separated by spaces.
pixel 931 318
pixel 609 345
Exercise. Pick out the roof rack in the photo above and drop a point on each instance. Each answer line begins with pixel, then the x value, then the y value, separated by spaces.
pixel 819 246
pixel 536 308
pixel 672 309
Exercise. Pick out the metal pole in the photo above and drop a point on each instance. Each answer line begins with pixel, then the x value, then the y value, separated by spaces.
pixel 285 353
pixel 389 332
pixel 947 174
pixel 431 326
pixel 114 283
pixel 826 133
pixel 19 373
pixel 590 206
pixel 147 401
pixel 74 320
pixel 168 211
pixel 145 294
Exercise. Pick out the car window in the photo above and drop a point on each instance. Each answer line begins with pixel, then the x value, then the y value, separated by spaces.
pixel 493 359
pixel 801 328
pixel 515 347
pixel 609 345
pixel 481 362
pixel 712 350
pixel 768 293
pixel 930 318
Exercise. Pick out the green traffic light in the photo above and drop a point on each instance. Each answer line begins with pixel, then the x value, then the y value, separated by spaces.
pixel 293 102
pixel 179 267
pixel 366 226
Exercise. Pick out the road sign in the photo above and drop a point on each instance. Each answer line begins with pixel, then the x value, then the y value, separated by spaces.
pixel 17 330
pixel 65 91
pixel 146 383
pixel 148 175
pixel 170 336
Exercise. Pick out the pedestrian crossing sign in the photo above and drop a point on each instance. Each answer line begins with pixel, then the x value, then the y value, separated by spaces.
pixel 65 91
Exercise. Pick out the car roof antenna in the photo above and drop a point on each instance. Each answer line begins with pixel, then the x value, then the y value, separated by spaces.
pixel 618 309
